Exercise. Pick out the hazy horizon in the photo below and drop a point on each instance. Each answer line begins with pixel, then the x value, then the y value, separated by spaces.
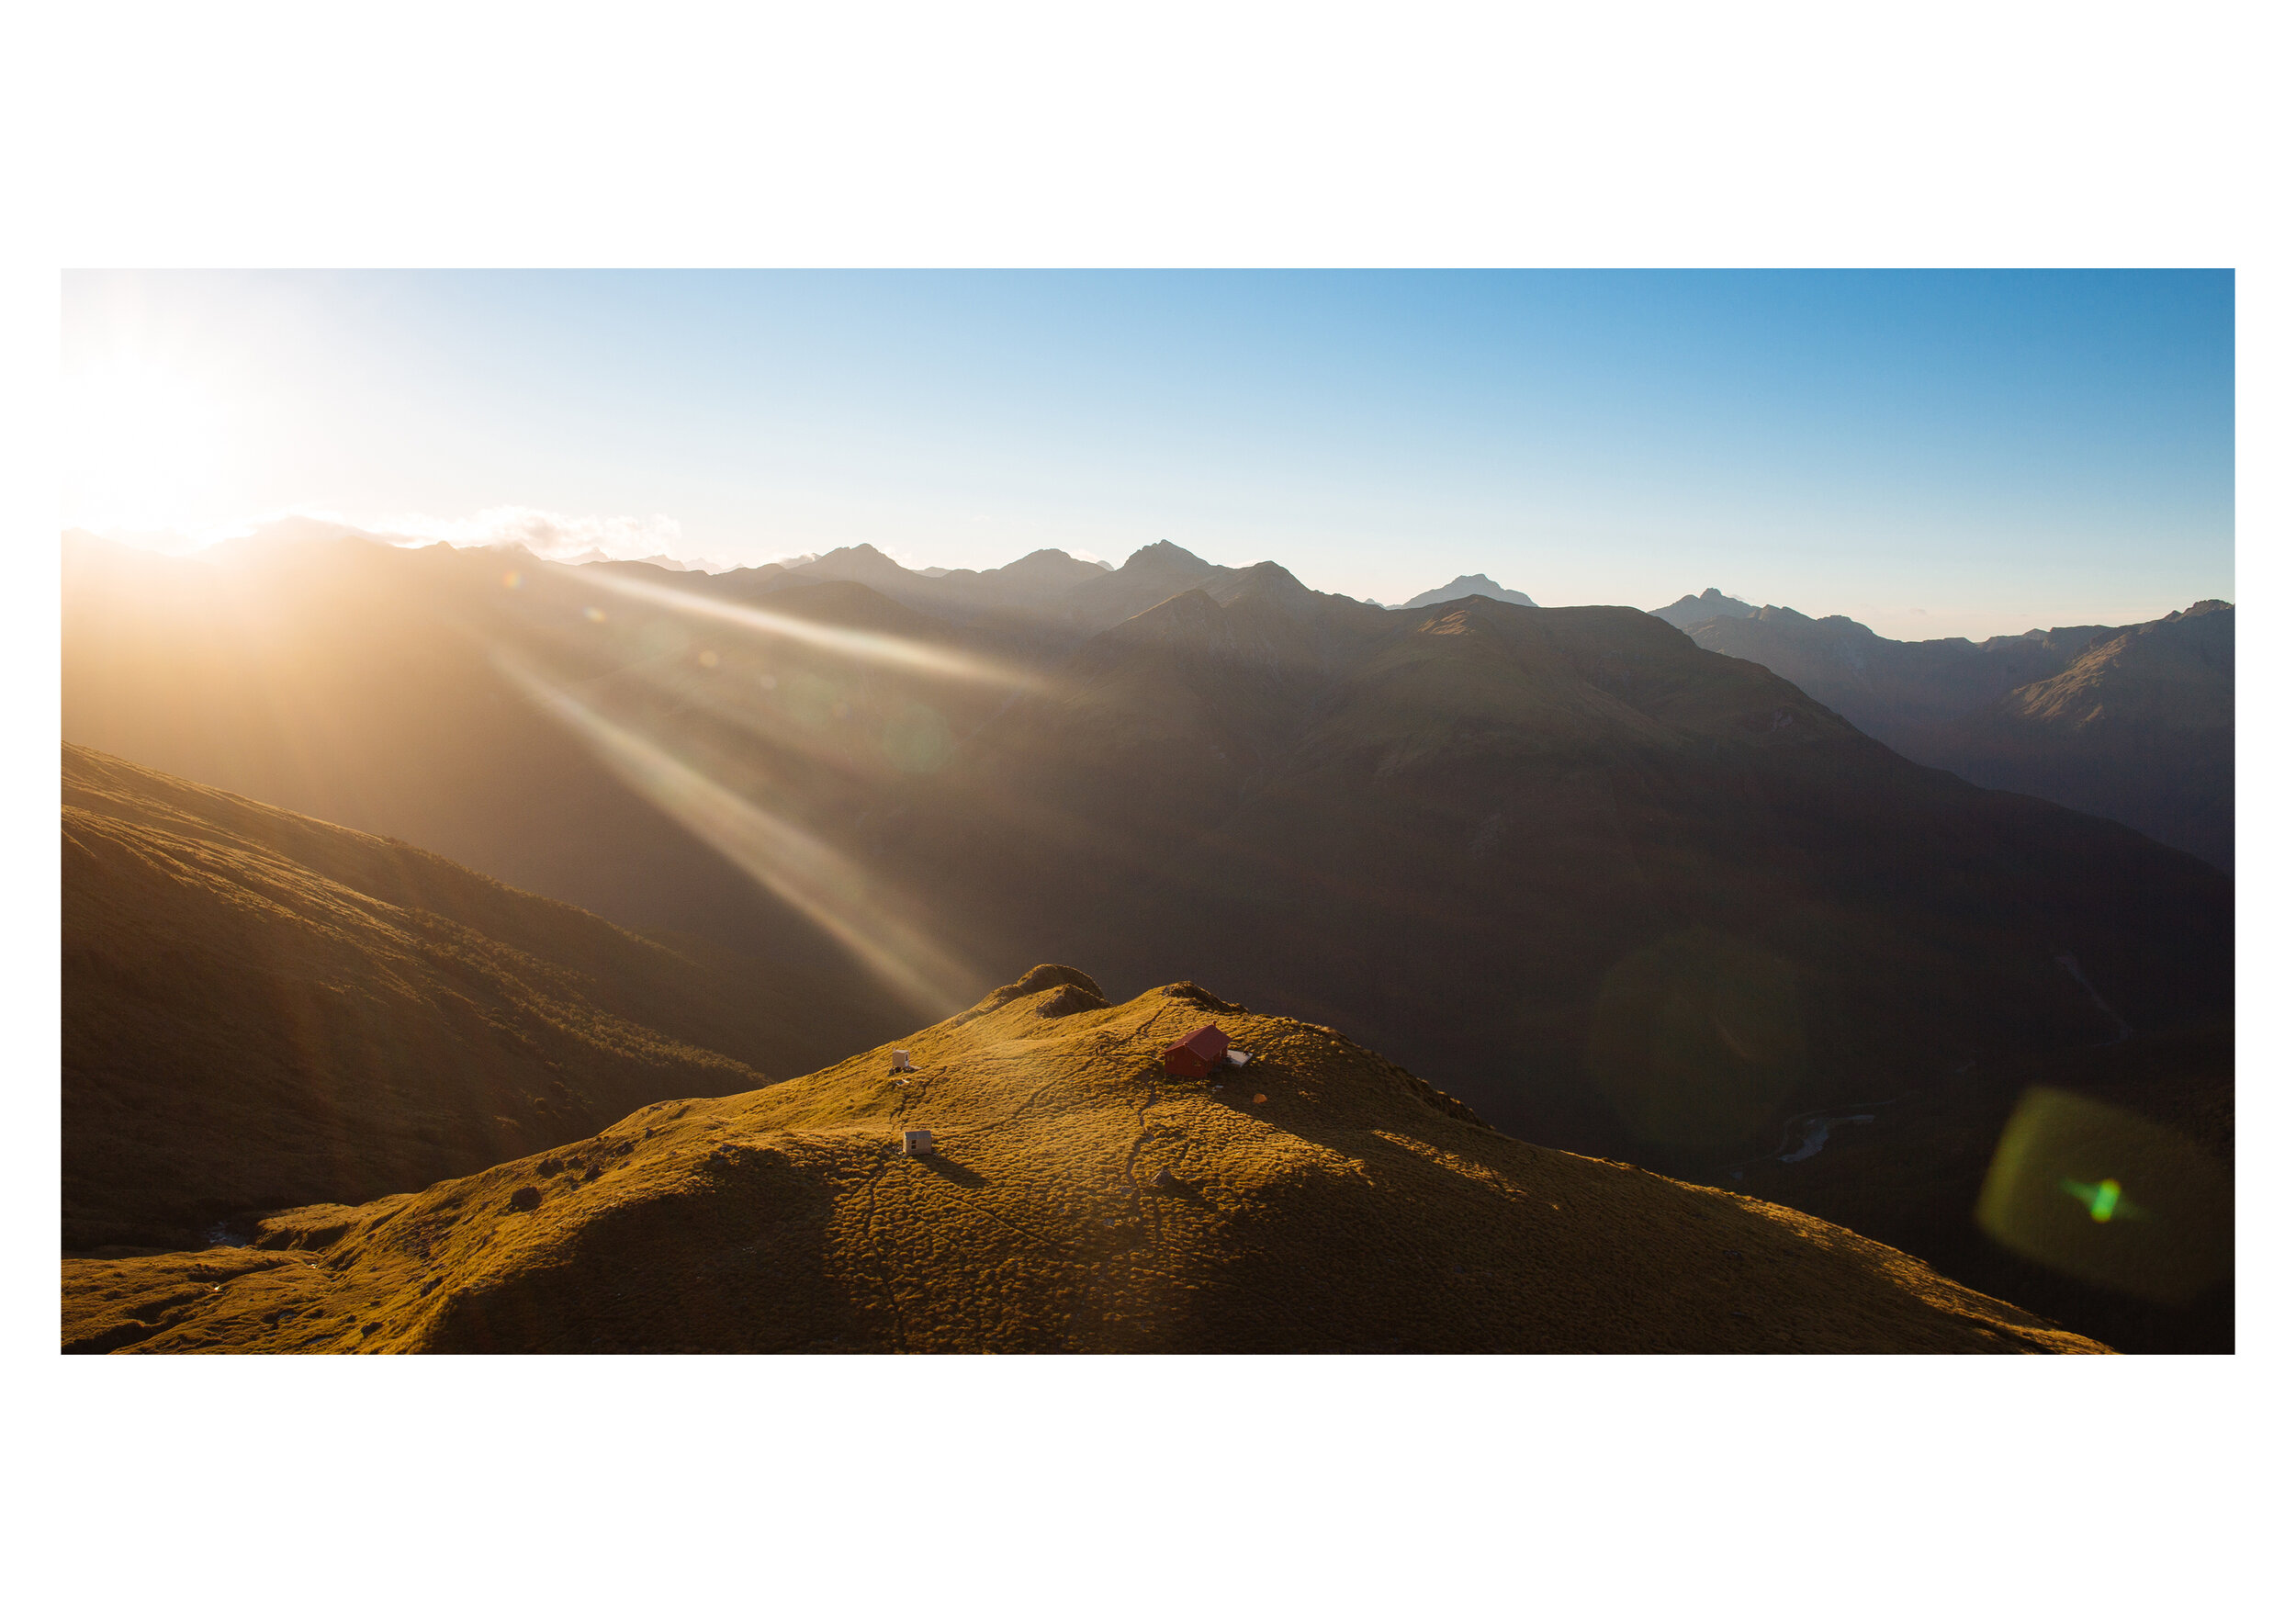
pixel 1932 453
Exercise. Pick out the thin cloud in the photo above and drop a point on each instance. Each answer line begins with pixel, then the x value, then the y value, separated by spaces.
pixel 545 534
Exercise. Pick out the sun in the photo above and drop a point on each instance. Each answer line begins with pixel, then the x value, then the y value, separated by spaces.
pixel 143 446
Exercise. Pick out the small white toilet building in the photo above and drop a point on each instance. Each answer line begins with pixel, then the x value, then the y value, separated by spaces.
pixel 917 1141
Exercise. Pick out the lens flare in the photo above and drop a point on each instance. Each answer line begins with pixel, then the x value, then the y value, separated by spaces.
pixel 1698 1039
pixel 2058 1192
pixel 873 648
pixel 2104 1200
pixel 877 927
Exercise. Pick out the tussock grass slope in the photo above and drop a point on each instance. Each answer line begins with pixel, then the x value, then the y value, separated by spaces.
pixel 1319 1199
pixel 263 1009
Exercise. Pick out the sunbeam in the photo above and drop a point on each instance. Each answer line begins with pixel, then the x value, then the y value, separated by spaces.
pixel 876 647
pixel 808 875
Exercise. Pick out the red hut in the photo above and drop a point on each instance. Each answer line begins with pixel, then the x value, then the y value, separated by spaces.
pixel 1195 1053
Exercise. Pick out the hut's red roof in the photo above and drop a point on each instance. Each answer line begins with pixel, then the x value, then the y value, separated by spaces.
pixel 1208 1043
pixel 1195 1053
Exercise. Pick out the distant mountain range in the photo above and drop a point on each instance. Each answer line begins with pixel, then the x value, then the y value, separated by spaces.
pixel 1620 892
pixel 2132 723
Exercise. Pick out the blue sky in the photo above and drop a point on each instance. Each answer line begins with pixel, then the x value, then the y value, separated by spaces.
pixel 1933 453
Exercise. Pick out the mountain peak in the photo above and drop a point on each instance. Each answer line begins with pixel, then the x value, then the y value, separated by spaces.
pixel 2207 605
pixel 1469 586
pixel 1771 614
pixel 1268 583
pixel 1163 555
pixel 860 552
pixel 1191 615
pixel 1049 563
pixel 1710 604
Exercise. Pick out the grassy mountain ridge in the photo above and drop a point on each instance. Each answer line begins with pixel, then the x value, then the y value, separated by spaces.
pixel 1320 1199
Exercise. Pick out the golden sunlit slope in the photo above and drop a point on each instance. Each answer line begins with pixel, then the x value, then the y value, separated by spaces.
pixel 260 1010
pixel 1319 1199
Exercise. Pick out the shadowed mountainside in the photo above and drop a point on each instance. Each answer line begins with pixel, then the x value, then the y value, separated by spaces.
pixel 260 1010
pixel 2132 723
pixel 1320 1200
pixel 2139 727
pixel 1623 894
pixel 1887 689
